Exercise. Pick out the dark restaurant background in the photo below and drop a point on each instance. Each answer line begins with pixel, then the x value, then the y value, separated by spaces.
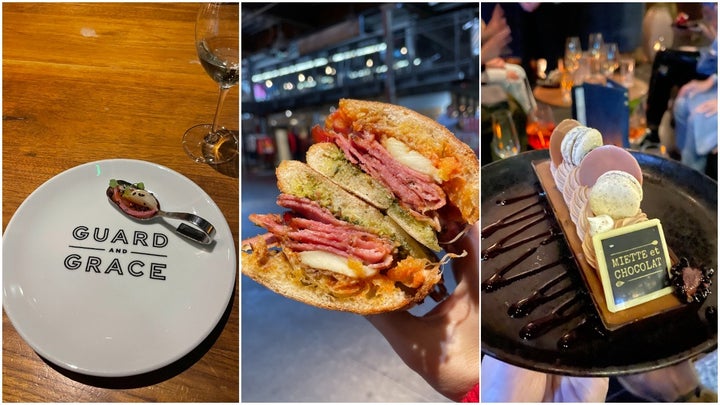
pixel 298 60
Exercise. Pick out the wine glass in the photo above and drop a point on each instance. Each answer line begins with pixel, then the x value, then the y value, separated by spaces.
pixel 638 124
pixel 573 53
pixel 595 45
pixel 217 44
pixel 611 59
pixel 505 141
pixel 566 82
pixel 540 125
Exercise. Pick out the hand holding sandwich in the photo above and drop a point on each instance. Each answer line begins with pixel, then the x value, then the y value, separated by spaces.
pixel 443 346
pixel 386 192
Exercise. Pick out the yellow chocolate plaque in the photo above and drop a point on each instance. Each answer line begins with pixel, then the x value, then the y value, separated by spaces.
pixel 634 264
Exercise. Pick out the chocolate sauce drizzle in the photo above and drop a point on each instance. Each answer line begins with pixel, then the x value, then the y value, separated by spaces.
pixel 588 326
pixel 513 200
pixel 538 297
pixel 525 218
pixel 503 222
pixel 556 317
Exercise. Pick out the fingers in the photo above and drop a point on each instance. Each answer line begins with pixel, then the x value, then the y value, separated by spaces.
pixel 708 108
pixel 496 24
pixel 498 12
pixel 688 89
pixel 497 63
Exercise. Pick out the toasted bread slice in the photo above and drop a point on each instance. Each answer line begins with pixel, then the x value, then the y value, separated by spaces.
pixel 282 273
pixel 425 136
pixel 329 160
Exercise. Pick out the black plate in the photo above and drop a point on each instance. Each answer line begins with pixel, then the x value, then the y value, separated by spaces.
pixel 684 200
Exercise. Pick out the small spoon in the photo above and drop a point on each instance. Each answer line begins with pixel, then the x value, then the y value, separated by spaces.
pixel 201 230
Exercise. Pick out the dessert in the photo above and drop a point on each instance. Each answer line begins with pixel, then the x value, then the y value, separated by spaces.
pixel 546 286
pixel 601 185
pixel 601 188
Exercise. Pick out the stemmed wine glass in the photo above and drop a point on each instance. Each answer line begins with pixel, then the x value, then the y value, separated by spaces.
pixel 573 53
pixel 505 141
pixel 595 45
pixel 611 59
pixel 217 44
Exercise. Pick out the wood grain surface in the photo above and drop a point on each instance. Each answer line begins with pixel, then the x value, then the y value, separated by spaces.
pixel 86 82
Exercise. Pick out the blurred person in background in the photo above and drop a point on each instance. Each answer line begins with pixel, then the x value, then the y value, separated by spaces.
pixel 695 107
pixel 495 36
pixel 539 29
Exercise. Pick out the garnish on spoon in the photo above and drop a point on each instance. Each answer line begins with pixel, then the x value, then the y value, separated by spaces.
pixel 134 201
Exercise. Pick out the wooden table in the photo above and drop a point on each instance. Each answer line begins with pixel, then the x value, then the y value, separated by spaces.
pixel 86 82
pixel 553 95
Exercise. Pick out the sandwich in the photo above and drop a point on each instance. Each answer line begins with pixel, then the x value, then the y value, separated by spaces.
pixel 351 239
pixel 403 163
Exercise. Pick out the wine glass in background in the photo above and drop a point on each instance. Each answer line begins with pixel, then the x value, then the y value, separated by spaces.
pixel 610 59
pixel 595 43
pixel 539 127
pixel 573 53
pixel 595 46
pixel 638 123
pixel 217 43
pixel 566 81
pixel 505 141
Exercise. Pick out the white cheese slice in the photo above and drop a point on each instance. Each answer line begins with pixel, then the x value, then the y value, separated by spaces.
pixel 410 158
pixel 142 198
pixel 318 259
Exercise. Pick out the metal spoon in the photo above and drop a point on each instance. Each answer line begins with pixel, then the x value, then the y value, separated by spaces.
pixel 201 230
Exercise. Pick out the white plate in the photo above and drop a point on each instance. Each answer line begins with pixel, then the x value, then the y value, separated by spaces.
pixel 169 297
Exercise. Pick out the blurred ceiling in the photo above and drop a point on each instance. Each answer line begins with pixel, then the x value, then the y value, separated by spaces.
pixel 274 25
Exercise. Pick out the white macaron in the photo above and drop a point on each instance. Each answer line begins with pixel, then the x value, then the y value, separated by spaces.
pixel 617 194
pixel 578 142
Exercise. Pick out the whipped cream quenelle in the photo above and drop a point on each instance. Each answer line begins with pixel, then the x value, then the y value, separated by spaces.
pixel 605 223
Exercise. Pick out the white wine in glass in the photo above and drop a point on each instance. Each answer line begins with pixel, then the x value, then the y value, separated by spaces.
pixel 217 44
